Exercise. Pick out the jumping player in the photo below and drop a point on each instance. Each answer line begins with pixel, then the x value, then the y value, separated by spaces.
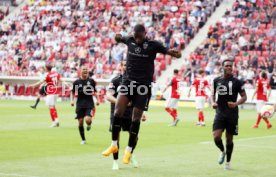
pixel 227 87
pixel 171 105
pixel 126 120
pixel 84 87
pixel 52 80
pixel 200 85
pixel 136 85
pixel 263 91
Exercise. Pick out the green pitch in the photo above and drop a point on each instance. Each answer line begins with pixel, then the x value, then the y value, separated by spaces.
pixel 28 148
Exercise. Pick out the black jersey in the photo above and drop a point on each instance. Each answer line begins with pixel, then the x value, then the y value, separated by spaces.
pixel 140 59
pixel 114 88
pixel 84 89
pixel 227 90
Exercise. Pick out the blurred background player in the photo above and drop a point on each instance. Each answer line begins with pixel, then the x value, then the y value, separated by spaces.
pixel 84 87
pixel 42 91
pixel 52 80
pixel 2 90
pixel 172 102
pixel 227 87
pixel 126 120
pixel 200 84
pixel 136 83
pixel 263 92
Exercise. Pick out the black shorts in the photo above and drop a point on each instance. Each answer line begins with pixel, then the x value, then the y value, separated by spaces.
pixel 82 112
pixel 230 123
pixel 138 94
pixel 43 91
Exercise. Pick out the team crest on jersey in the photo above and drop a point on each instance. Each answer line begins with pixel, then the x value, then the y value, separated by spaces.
pixel 145 45
pixel 137 49
pixel 88 83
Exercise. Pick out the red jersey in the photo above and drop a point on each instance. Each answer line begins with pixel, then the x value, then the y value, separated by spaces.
pixel 262 88
pixel 174 83
pixel 52 79
pixel 200 85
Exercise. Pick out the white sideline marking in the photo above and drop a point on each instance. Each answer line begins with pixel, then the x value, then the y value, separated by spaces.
pixel 15 174
pixel 243 139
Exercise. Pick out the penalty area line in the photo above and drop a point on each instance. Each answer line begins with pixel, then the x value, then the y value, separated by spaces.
pixel 243 139
pixel 15 174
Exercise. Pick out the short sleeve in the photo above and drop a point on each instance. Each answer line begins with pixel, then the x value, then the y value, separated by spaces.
pixel 74 86
pixel 240 86
pixel 214 87
pixel 160 48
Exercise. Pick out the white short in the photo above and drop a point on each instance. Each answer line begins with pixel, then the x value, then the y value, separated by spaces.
pixel 200 101
pixel 259 105
pixel 51 100
pixel 172 103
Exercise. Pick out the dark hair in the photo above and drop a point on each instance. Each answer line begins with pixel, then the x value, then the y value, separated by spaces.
pixel 139 28
pixel 91 73
pixel 1 83
pixel 49 67
pixel 264 75
pixel 201 71
pixel 227 60
pixel 175 71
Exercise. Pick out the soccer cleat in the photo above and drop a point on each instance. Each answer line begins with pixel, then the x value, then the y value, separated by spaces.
pixel 221 158
pixel 110 150
pixel 133 161
pixel 268 126
pixel 83 142
pixel 115 165
pixel 54 124
pixel 33 107
pixel 202 124
pixel 255 126
pixel 176 122
pixel 227 166
pixel 88 127
pixel 126 157
pixel 198 124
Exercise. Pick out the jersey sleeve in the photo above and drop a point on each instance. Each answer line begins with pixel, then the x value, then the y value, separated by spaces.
pixel 94 84
pixel 125 39
pixel 240 86
pixel 74 86
pixel 214 87
pixel 160 48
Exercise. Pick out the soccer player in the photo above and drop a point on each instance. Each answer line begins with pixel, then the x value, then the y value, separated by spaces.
pixel 52 80
pixel 126 120
pixel 227 87
pixel 171 105
pixel 263 91
pixel 200 85
pixel 136 85
pixel 42 90
pixel 84 87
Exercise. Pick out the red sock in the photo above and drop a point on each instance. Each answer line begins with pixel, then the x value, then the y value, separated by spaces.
pixel 174 114
pixel 266 121
pixel 52 114
pixel 201 116
pixel 258 119
pixel 170 112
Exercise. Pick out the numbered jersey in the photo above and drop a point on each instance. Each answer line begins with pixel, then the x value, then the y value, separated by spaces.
pixel 262 89
pixel 200 85
pixel 175 84
pixel 52 79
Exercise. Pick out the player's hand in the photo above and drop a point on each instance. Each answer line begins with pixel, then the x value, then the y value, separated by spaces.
pixel 215 105
pixel 232 104
pixel 72 103
pixel 144 118
pixel 176 53
pixel 129 104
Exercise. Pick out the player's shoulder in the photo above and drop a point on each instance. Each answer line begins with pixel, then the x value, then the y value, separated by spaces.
pixel 116 79
pixel 154 42
pixel 217 79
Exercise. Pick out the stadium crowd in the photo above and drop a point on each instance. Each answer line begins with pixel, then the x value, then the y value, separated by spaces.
pixel 246 34
pixel 71 33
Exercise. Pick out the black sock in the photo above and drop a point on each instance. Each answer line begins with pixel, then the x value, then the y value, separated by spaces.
pixel 134 145
pixel 229 150
pixel 116 155
pixel 133 133
pixel 37 101
pixel 219 145
pixel 116 128
pixel 81 130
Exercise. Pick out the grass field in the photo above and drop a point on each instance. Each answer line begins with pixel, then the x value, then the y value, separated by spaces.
pixel 28 148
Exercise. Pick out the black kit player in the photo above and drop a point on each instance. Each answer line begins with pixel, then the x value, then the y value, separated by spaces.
pixel 111 96
pixel 84 87
pixel 227 87
pixel 136 85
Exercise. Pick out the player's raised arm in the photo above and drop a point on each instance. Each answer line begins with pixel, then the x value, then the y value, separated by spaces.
pixel 37 83
pixel 213 98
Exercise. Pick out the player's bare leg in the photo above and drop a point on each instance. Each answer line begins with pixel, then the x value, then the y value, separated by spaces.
pixel 120 107
pixel 88 121
pixel 133 134
pixel 201 121
pixel 217 134
pixel 36 102
pixel 81 130
pixel 229 150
